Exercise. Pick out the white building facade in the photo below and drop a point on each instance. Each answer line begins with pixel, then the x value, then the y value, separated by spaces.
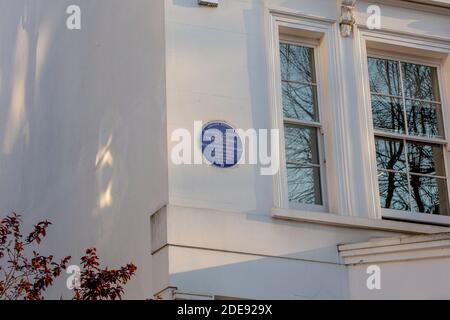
pixel 235 233
pixel 359 93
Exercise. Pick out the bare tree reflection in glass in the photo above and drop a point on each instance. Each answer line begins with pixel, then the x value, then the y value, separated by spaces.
pixel 301 117
pixel 412 174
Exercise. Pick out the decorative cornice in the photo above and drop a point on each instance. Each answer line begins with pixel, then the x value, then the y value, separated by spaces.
pixel 431 6
pixel 347 20
pixel 397 249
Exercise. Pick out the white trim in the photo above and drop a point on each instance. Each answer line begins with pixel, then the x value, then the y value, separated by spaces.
pixel 281 120
pixel 444 90
pixel 274 80
pixel 416 217
pixel 394 56
pixel 397 249
pixel 402 136
pixel 356 222
pixel 396 37
pixel 192 296
pixel 341 142
pixel 331 95
pixel 432 6
pixel 438 55
pixel 284 13
pixel 306 42
pixel 302 123
pixel 366 127
pixel 392 241
pixel 308 124
pixel 172 293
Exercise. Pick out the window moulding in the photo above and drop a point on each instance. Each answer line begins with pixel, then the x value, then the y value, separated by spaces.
pixel 407 248
pixel 326 33
pixel 419 49
pixel 356 222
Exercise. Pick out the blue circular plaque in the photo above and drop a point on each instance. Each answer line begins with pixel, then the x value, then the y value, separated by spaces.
pixel 221 145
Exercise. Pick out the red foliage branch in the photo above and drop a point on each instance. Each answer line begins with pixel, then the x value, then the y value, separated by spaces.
pixel 22 277
pixel 101 284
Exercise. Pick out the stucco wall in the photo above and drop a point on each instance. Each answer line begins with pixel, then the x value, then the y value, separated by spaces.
pixel 231 254
pixel 227 79
pixel 82 126
pixel 414 267
pixel 221 238
pixel 422 279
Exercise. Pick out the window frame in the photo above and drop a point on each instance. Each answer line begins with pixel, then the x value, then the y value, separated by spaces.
pixel 411 216
pixel 344 206
pixel 323 32
pixel 317 125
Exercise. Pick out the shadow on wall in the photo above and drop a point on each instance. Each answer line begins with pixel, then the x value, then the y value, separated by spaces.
pixel 23 55
pixel 39 148
pixel 251 277
pixel 82 125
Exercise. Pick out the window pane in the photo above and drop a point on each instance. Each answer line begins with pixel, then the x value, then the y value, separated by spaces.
pixel 390 154
pixel 299 101
pixel 429 195
pixel 394 192
pixel 301 145
pixel 388 114
pixel 384 76
pixel 426 159
pixel 411 174
pixel 424 119
pixel 304 185
pixel 297 63
pixel 420 82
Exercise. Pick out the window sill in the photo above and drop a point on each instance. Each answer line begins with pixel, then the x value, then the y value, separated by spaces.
pixel 356 222
pixel 416 217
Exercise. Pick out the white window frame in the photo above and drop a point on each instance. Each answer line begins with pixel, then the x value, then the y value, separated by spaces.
pixel 424 51
pixel 318 125
pixel 323 35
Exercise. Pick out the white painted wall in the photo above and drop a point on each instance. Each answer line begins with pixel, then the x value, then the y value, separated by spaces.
pixel 404 280
pixel 231 254
pixel 407 268
pixel 219 237
pixel 83 126
pixel 226 79
pixel 70 99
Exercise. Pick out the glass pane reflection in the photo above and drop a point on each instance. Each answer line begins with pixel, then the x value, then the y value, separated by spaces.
pixel 424 119
pixel 388 114
pixel 299 101
pixel 394 191
pixel 420 82
pixel 384 76
pixel 301 145
pixel 426 159
pixel 297 63
pixel 391 154
pixel 412 175
pixel 429 195
pixel 304 185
